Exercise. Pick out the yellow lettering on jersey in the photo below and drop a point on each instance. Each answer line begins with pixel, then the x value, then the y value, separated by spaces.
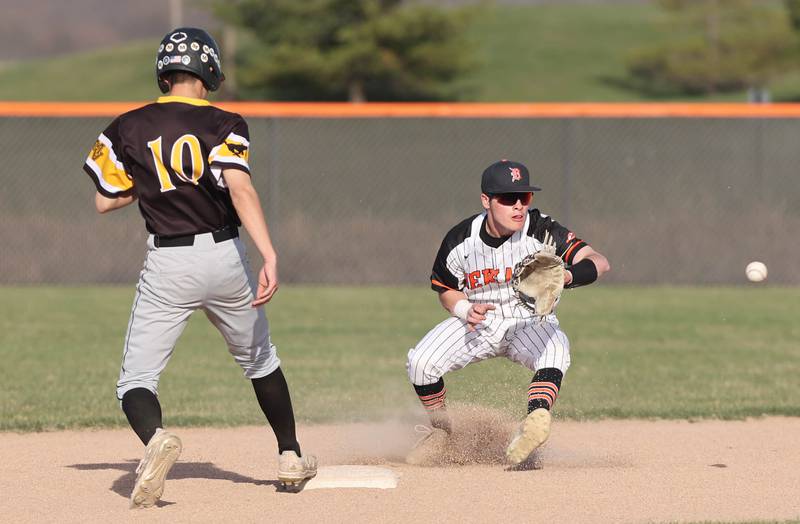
pixel 163 175
pixel 176 159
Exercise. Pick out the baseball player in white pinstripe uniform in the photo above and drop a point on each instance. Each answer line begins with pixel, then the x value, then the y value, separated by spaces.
pixel 472 274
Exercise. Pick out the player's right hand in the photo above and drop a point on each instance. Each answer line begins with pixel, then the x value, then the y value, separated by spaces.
pixel 477 314
pixel 267 283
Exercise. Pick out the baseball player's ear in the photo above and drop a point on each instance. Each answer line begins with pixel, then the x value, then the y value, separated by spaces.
pixel 485 200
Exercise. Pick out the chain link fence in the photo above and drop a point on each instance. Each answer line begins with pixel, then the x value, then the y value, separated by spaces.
pixel 368 200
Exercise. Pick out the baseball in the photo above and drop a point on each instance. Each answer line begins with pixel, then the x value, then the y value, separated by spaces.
pixel 756 271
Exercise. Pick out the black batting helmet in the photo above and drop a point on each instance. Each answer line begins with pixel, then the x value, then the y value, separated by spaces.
pixel 191 50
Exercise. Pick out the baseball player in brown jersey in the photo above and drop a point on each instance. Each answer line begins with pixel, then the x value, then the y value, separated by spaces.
pixel 472 274
pixel 186 163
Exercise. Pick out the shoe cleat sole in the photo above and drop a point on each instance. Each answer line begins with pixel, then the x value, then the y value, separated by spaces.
pixel 150 484
pixel 533 432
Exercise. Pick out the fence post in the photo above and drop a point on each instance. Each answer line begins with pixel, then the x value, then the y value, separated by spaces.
pixel 566 166
pixel 273 180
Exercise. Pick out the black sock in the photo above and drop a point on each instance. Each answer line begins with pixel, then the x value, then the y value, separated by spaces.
pixel 272 393
pixel 143 411
pixel 433 398
pixel 544 388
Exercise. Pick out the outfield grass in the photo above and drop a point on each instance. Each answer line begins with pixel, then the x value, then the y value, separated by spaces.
pixel 526 53
pixel 560 52
pixel 124 72
pixel 637 352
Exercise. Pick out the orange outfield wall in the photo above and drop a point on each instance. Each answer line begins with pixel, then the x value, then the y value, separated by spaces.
pixel 426 110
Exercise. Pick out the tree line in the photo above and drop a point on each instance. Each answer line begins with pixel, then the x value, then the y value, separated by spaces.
pixel 392 50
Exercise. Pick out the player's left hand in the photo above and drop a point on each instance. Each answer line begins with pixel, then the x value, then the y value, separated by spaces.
pixel 267 283
pixel 567 277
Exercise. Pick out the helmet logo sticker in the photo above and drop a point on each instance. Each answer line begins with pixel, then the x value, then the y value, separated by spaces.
pixel 195 46
pixel 178 37
pixel 160 65
pixel 182 47
pixel 169 47
pixel 161 48
pixel 186 59
pixel 515 174
pixel 204 58
pixel 205 48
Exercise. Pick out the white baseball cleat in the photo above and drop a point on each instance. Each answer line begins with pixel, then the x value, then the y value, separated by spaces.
pixel 429 448
pixel 532 433
pixel 294 470
pixel 160 454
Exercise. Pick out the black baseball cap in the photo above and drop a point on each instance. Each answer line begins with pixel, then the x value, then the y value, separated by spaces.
pixel 506 176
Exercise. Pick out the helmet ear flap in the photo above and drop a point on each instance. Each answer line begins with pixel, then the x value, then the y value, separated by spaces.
pixel 163 85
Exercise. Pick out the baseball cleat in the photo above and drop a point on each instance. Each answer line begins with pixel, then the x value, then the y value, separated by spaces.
pixel 160 454
pixel 429 447
pixel 532 433
pixel 293 470
pixel 440 419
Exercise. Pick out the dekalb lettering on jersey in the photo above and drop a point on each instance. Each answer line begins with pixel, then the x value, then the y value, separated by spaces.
pixel 484 277
pixel 472 261
pixel 178 176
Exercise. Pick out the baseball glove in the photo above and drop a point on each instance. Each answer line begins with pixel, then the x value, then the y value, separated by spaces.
pixel 538 281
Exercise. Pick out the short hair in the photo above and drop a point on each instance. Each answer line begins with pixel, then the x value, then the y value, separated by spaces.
pixel 177 77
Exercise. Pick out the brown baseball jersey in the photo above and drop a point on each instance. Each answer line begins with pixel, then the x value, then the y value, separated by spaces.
pixel 171 154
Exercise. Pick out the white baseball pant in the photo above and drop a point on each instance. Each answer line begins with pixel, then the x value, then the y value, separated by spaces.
pixel 450 346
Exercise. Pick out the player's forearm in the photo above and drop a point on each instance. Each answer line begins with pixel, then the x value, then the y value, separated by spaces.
pixel 600 262
pixel 588 265
pixel 103 204
pixel 248 206
pixel 450 298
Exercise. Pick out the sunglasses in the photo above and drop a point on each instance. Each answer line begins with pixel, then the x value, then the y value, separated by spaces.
pixel 509 199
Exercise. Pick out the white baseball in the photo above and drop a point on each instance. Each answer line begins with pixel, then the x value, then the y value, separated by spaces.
pixel 756 271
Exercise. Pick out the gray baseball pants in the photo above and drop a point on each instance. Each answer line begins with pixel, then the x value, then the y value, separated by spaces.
pixel 176 281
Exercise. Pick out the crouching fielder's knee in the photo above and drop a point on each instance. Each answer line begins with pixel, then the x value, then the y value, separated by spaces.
pixel 540 346
pixel 421 367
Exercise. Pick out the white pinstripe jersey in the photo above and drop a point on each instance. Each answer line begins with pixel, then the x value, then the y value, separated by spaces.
pixel 471 261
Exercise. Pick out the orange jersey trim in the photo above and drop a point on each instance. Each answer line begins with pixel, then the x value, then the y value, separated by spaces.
pixel 437 283
pixel 572 248
pixel 428 110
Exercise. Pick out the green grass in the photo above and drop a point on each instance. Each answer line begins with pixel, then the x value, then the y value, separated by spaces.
pixel 121 73
pixel 527 53
pixel 554 53
pixel 559 52
pixel 636 352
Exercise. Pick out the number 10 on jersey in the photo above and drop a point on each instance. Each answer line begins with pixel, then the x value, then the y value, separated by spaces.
pixel 176 161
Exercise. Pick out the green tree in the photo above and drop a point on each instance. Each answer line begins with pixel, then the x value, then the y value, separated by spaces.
pixel 719 46
pixel 349 49
pixel 793 8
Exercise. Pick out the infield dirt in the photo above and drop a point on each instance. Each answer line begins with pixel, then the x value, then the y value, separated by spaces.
pixel 600 471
